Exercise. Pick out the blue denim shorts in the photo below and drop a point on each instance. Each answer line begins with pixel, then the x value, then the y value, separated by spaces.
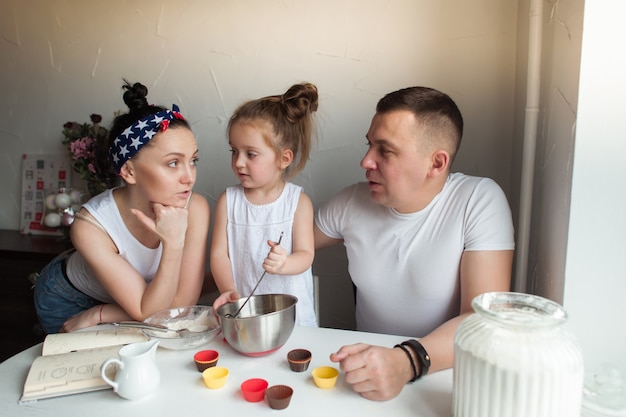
pixel 55 297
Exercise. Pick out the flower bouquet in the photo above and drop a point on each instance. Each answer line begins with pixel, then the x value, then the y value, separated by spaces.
pixel 86 143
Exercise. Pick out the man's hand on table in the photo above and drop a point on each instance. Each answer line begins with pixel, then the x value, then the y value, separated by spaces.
pixel 375 372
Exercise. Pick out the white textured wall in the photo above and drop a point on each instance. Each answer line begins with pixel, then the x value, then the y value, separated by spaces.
pixel 64 59
pixel 561 53
pixel 595 283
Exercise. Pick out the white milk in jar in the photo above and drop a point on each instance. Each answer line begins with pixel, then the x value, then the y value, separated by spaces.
pixel 513 358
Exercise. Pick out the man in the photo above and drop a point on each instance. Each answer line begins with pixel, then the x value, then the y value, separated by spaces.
pixel 421 242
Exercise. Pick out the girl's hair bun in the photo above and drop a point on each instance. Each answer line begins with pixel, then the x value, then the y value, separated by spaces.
pixel 300 101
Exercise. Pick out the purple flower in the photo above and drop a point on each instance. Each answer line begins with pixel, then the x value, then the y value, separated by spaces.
pixel 82 148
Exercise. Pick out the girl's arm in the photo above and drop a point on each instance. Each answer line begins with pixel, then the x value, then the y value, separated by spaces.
pixel 301 259
pixel 220 262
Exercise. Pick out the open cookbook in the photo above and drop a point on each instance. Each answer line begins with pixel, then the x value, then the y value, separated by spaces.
pixel 70 362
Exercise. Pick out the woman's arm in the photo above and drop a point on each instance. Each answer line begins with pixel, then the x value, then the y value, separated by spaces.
pixel 126 285
pixel 108 267
pixel 170 225
pixel 120 279
pixel 102 313
pixel 193 267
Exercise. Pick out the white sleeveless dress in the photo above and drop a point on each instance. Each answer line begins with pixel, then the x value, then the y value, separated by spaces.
pixel 249 228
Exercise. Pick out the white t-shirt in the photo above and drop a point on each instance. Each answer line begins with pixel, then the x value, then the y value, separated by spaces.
pixel 145 260
pixel 249 228
pixel 406 266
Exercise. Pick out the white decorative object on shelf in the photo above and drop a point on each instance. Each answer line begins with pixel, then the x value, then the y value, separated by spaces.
pixel 62 207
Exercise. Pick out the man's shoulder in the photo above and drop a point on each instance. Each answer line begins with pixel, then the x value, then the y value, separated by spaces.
pixel 463 181
pixel 352 197
pixel 465 178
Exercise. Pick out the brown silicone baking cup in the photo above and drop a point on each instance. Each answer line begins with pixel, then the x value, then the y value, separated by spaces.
pixel 299 359
pixel 278 396
pixel 206 359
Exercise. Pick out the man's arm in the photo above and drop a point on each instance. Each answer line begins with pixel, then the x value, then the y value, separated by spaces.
pixel 481 272
pixel 380 373
pixel 322 241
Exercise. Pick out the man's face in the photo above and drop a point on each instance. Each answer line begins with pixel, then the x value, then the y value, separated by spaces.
pixel 395 165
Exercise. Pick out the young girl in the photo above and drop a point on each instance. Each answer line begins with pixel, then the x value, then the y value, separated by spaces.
pixel 270 140
pixel 140 248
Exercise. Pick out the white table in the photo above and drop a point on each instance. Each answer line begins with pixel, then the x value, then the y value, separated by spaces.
pixel 182 391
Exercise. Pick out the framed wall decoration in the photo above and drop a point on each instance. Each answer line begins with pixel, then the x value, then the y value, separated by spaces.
pixel 42 174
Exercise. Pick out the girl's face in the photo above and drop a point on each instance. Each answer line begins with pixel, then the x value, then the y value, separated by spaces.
pixel 253 160
pixel 164 171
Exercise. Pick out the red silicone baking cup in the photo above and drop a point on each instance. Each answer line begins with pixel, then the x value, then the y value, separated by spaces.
pixel 254 389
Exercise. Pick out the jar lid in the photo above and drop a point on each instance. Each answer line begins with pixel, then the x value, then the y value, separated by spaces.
pixel 521 309
pixel 604 393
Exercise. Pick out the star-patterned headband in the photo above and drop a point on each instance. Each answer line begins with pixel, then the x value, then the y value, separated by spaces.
pixel 126 145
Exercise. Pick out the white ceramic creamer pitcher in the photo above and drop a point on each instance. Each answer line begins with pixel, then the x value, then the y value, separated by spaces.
pixel 137 374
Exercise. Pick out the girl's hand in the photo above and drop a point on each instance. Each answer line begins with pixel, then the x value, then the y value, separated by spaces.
pixel 276 259
pixel 229 296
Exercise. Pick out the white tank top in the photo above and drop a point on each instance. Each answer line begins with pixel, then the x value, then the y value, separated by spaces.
pixel 249 228
pixel 145 260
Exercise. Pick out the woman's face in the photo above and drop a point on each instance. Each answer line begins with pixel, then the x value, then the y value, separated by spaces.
pixel 165 169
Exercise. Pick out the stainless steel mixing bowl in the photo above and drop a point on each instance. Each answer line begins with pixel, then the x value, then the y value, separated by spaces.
pixel 262 326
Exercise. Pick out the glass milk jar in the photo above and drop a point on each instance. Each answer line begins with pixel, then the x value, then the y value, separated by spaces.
pixel 513 358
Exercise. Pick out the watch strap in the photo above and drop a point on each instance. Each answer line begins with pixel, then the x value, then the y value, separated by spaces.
pixel 421 355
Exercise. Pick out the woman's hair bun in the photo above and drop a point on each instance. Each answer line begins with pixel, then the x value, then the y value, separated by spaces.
pixel 135 96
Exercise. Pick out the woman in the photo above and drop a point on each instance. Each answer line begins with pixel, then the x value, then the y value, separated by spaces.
pixel 140 248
